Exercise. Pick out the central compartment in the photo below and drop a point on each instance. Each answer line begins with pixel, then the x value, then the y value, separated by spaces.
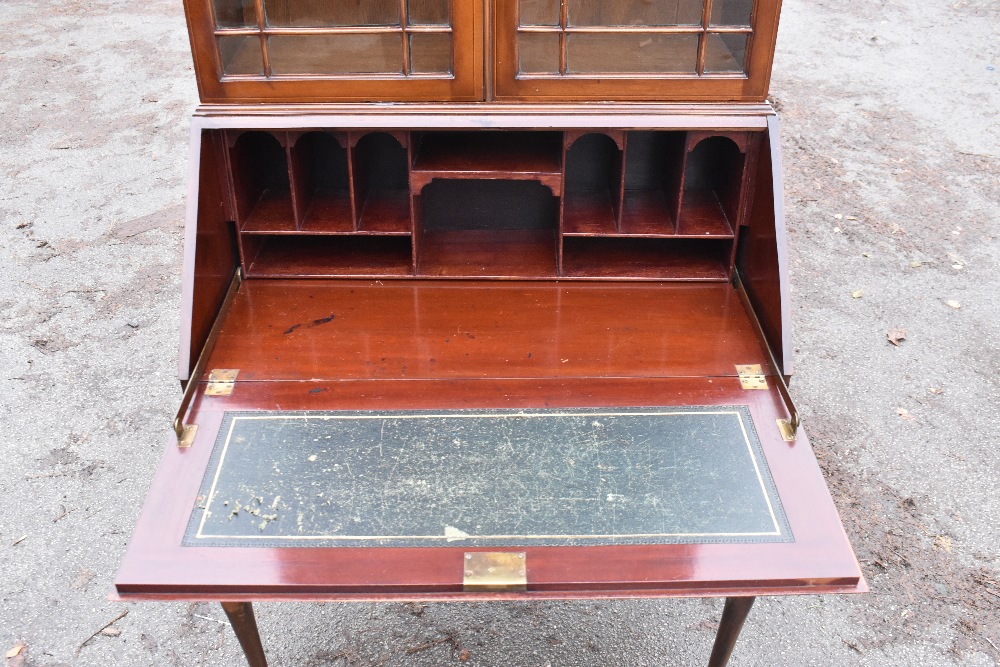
pixel 487 203
pixel 488 228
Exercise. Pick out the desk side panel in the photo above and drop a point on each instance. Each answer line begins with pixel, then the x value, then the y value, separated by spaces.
pixel 762 256
pixel 210 249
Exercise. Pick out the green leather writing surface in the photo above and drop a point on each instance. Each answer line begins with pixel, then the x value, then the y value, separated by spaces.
pixel 488 478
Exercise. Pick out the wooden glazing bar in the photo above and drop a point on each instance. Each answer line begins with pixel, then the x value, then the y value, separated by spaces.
pixel 563 46
pixel 265 52
pixel 334 30
pixel 631 76
pixel 335 77
pixel 614 30
pixel 403 11
pixel 706 19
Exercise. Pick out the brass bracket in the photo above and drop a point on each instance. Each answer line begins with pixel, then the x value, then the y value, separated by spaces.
pixel 186 432
pixel 787 430
pixel 495 571
pixel 187 436
pixel 751 376
pixel 221 381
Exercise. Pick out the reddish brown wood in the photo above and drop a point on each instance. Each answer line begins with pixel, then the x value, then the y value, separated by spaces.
pixel 385 212
pixel 423 330
pixel 410 346
pixel 760 257
pixel 588 214
pixel 733 616
pixel 489 155
pixel 301 256
pixel 215 252
pixel 645 259
pixel 512 86
pixel 702 216
pixel 241 617
pixel 647 213
pixel 466 83
pixel 504 254
pixel 820 559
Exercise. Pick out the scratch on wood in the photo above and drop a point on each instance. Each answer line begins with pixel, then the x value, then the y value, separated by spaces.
pixel 309 325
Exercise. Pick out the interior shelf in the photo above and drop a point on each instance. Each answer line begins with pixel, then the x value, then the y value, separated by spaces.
pixel 580 204
pixel 644 258
pixel 272 212
pixel 326 256
pixel 506 253
pixel 646 213
pixel 509 155
pixel 588 214
pixel 702 216
pixel 329 212
pixel 385 212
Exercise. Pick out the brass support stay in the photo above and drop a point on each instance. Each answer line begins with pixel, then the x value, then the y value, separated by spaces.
pixel 186 432
pixel 788 427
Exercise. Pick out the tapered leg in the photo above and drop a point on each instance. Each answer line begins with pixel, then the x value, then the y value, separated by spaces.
pixel 245 626
pixel 733 615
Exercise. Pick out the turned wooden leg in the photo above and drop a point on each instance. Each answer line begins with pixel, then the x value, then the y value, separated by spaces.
pixel 244 624
pixel 733 615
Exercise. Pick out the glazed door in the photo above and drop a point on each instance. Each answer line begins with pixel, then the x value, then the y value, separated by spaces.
pixel 669 50
pixel 337 50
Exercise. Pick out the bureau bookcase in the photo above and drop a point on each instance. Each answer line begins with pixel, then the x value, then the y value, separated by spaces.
pixel 485 300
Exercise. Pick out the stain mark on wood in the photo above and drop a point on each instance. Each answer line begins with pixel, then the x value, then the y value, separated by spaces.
pixel 309 325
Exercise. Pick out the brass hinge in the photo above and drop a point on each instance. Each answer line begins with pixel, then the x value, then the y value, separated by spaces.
pixel 751 376
pixel 495 571
pixel 221 381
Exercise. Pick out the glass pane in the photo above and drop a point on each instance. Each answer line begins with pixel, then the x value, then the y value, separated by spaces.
pixel 429 12
pixel 539 12
pixel 725 52
pixel 430 53
pixel 593 53
pixel 731 12
pixel 235 14
pixel 635 12
pixel 538 52
pixel 241 55
pixel 321 13
pixel 337 54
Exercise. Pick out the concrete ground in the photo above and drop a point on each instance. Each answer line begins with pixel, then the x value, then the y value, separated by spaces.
pixel 891 142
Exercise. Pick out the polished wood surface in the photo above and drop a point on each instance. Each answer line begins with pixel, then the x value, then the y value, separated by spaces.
pixel 669 204
pixel 278 59
pixel 761 258
pixel 241 617
pixel 434 330
pixel 385 349
pixel 510 155
pixel 214 253
pixel 733 616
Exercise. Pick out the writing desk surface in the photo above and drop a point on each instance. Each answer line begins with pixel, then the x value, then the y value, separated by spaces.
pixel 317 351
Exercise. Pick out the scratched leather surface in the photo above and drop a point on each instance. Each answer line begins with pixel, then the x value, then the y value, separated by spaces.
pixel 488 478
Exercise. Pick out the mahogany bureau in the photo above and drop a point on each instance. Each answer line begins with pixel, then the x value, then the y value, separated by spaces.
pixel 485 300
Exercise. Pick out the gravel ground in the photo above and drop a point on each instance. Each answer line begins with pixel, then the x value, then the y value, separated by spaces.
pixel 891 144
